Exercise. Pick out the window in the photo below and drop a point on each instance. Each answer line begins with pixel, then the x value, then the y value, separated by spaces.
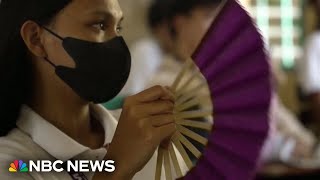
pixel 280 23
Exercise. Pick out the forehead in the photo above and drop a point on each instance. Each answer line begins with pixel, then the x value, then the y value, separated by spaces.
pixel 82 8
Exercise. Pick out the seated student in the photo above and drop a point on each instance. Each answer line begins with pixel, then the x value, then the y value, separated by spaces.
pixel 288 139
pixel 57 59
pixel 177 27
pixel 309 70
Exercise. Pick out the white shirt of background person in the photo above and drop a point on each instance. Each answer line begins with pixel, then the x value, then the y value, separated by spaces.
pixel 309 66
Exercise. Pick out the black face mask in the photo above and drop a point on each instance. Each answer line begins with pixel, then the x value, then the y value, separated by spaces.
pixel 101 71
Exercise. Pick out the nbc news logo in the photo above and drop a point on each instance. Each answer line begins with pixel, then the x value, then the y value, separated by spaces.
pixel 18 166
pixel 59 166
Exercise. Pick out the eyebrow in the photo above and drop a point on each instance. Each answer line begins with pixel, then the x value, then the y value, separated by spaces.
pixel 119 16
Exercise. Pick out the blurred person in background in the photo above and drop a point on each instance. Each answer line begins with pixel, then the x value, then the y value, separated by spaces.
pixel 177 27
pixel 288 139
pixel 309 70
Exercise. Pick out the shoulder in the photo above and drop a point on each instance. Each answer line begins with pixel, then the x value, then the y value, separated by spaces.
pixel 15 146
pixel 18 144
pixel 16 140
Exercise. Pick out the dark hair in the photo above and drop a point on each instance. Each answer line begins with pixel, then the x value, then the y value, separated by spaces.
pixel 15 66
pixel 166 10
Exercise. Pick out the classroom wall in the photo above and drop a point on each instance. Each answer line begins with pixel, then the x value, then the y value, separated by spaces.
pixel 134 24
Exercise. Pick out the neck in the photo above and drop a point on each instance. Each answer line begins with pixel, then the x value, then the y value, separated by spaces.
pixel 54 101
pixel 68 116
pixel 61 107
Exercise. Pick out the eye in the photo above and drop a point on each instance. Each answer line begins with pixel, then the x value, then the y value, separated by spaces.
pixel 119 29
pixel 100 25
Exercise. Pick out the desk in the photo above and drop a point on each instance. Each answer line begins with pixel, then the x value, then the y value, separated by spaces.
pixel 278 171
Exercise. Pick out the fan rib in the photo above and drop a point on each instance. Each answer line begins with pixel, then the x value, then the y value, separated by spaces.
pixel 182 151
pixel 188 104
pixel 175 160
pixel 181 74
pixel 167 165
pixel 192 135
pixel 159 164
pixel 191 123
pixel 189 146
pixel 190 93
pixel 193 114
pixel 187 82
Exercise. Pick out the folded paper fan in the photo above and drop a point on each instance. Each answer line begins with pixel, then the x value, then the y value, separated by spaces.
pixel 234 64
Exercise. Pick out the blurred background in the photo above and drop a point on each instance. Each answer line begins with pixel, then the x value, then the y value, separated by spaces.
pixel 285 25
pixel 292 35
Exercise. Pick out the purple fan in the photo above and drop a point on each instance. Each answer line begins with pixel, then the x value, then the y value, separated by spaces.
pixel 232 59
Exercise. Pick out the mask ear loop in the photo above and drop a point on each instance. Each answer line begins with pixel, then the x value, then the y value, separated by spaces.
pixel 56 35
pixel 46 59
pixel 53 33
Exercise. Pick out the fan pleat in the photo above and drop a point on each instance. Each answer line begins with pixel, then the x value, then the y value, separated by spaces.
pixel 243 98
pixel 241 79
pixel 250 124
pixel 241 150
pixel 228 165
pixel 240 51
pixel 220 34
pixel 192 177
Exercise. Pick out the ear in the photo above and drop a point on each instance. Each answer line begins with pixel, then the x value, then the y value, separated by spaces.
pixel 31 35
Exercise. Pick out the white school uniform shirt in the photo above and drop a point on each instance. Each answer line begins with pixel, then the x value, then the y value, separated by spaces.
pixel 37 139
pixel 309 67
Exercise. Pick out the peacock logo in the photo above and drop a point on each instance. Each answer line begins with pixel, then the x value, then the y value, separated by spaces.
pixel 18 166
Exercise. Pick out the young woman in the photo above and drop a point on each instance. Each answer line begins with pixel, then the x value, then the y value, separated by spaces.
pixel 58 60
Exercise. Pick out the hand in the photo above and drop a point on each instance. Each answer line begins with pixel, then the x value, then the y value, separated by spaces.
pixel 146 121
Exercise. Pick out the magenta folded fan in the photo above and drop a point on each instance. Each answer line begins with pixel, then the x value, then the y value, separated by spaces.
pixel 223 96
pixel 234 62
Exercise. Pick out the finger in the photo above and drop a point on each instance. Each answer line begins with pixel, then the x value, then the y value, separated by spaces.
pixel 171 96
pixel 159 107
pixel 164 132
pixel 153 108
pixel 154 93
pixel 161 120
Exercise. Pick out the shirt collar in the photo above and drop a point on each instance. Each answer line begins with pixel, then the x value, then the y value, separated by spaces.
pixel 54 141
